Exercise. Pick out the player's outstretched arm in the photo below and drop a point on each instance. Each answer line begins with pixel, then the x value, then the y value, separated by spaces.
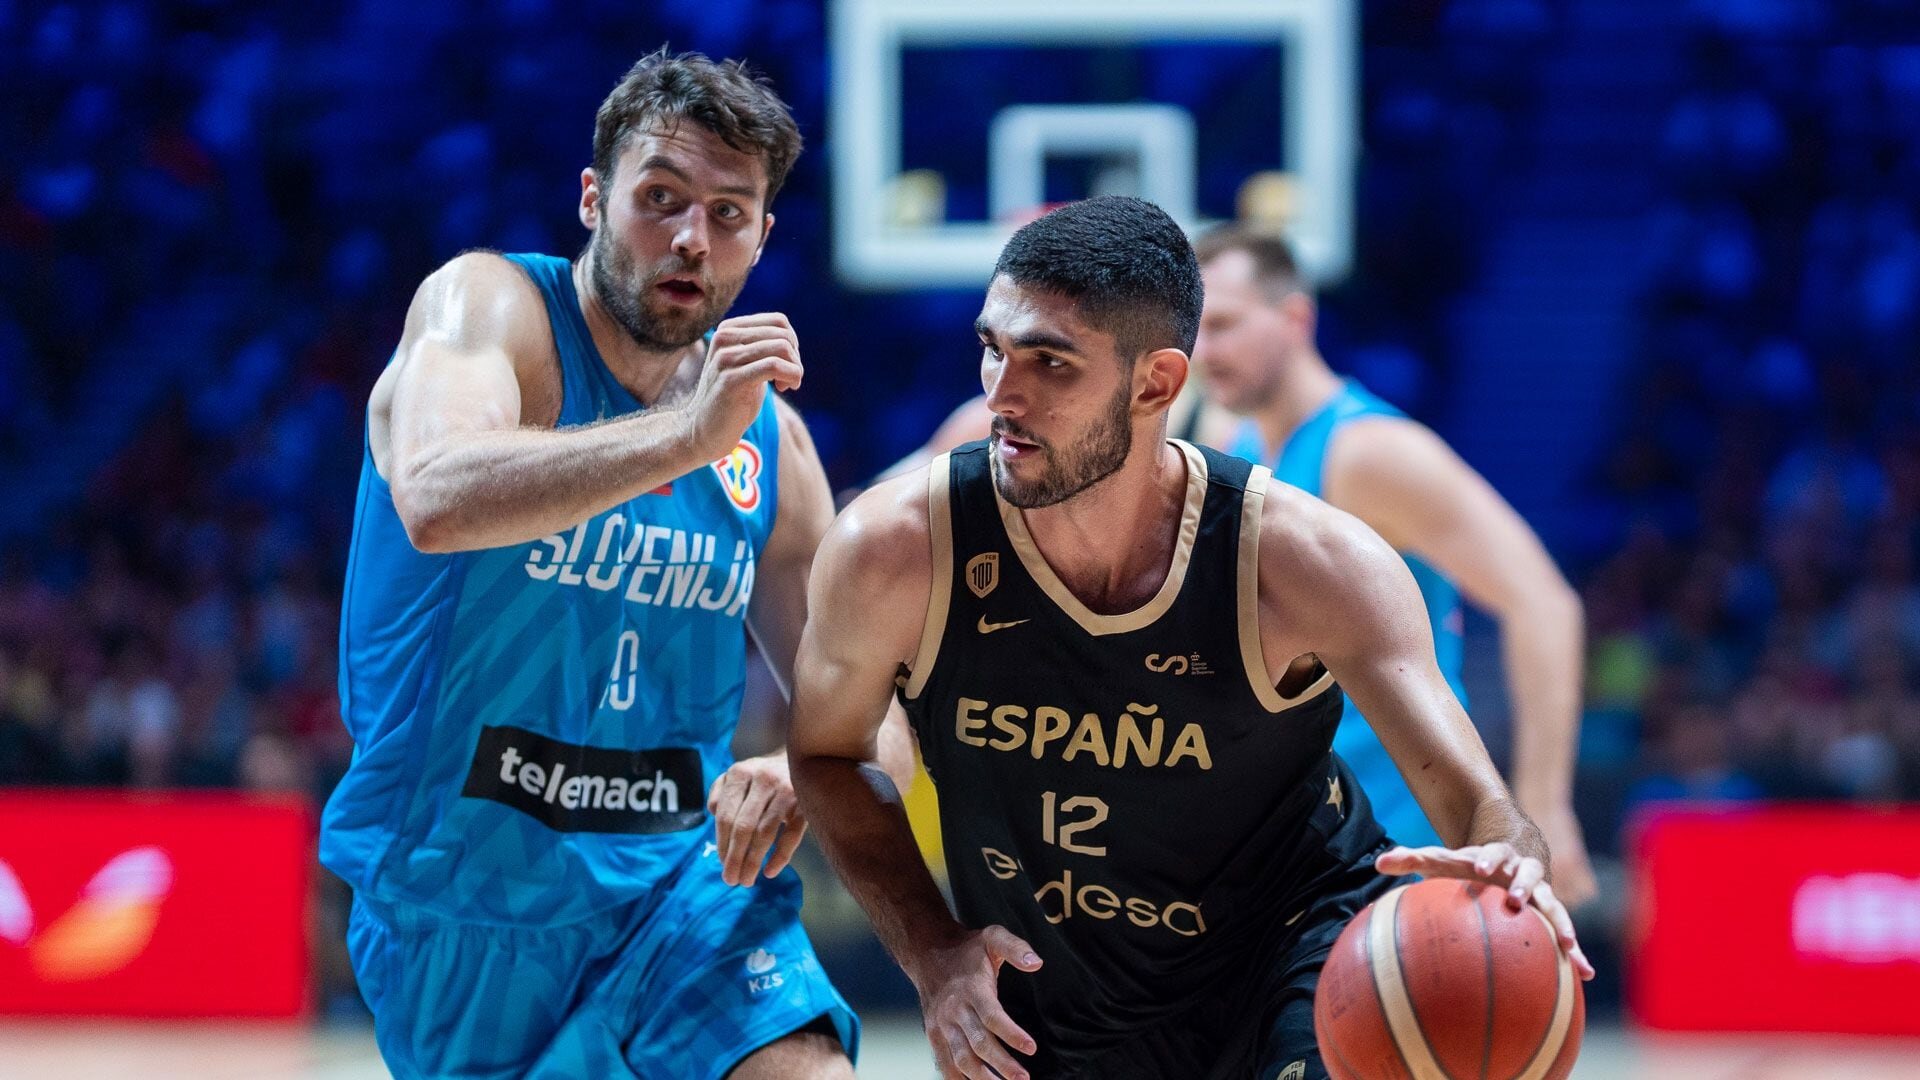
pixel 867 608
pixel 1405 482
pixel 447 414
pixel 756 817
pixel 1331 586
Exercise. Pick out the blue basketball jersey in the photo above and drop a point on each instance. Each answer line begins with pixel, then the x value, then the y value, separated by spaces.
pixel 1302 463
pixel 536 726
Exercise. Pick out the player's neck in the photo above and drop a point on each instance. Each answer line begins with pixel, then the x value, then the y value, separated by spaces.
pixel 1305 391
pixel 646 374
pixel 1113 544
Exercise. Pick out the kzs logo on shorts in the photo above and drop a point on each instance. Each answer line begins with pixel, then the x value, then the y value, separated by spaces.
pixel 571 788
pixel 760 965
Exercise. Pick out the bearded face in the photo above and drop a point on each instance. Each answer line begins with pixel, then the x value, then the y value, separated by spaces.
pixel 666 305
pixel 1065 468
pixel 677 225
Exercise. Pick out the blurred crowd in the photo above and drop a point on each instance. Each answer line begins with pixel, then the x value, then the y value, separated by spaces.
pixel 211 218
pixel 1757 632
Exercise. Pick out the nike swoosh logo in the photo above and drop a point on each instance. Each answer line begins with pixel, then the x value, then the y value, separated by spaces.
pixel 989 627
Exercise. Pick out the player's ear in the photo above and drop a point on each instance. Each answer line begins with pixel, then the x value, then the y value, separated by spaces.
pixel 590 199
pixel 1158 378
pixel 766 228
pixel 1298 309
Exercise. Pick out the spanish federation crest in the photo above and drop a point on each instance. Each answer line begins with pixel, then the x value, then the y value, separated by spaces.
pixel 983 573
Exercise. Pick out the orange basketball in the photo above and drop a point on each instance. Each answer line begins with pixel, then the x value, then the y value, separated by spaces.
pixel 1440 980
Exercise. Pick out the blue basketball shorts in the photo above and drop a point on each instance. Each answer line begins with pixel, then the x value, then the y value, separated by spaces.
pixel 684 983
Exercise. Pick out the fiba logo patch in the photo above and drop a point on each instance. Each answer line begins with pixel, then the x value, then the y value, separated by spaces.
pixel 983 573
pixel 739 474
pixel 1295 1071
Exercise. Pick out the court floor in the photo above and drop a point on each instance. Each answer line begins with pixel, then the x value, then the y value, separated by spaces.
pixel 85 1050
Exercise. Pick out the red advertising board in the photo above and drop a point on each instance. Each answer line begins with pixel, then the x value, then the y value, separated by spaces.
pixel 1777 919
pixel 157 905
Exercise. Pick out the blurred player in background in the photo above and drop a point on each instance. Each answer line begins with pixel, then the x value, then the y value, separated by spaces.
pixel 1256 357
pixel 1151 843
pixel 579 492
pixel 1330 437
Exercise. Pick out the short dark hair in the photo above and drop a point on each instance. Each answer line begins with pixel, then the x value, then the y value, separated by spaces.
pixel 727 98
pixel 1274 268
pixel 1123 260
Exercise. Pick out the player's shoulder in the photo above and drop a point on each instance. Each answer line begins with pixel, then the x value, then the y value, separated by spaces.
pixel 889 513
pixel 479 273
pixel 1385 445
pixel 887 533
pixel 1306 539
pixel 479 296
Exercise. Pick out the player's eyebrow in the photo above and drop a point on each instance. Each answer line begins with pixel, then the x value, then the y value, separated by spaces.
pixel 667 165
pixel 1032 339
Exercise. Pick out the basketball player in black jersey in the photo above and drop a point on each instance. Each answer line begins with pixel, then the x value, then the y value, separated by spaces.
pixel 1119 655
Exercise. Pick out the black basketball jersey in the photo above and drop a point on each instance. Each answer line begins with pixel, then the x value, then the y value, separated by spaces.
pixel 1130 793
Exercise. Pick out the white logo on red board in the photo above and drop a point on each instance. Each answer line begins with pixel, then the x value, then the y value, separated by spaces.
pixel 1869 918
pixel 739 474
pixel 107 929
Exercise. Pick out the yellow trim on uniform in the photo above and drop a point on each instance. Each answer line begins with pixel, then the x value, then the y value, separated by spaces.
pixel 940 527
pixel 1253 655
pixel 1092 622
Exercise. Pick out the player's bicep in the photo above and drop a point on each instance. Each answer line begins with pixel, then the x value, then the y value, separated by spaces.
pixel 455 370
pixel 866 604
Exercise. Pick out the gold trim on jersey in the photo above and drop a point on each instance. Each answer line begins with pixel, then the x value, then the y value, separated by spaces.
pixel 1390 983
pixel 1092 622
pixel 940 526
pixel 1253 656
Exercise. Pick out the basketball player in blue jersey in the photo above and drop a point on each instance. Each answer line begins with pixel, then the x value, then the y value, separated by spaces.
pixel 1331 437
pixel 579 494
pixel 1119 655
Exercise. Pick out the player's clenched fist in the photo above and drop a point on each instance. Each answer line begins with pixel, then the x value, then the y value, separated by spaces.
pixel 747 352
pixel 960 1001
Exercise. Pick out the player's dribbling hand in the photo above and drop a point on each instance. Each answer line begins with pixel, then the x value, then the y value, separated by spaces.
pixel 1522 876
pixel 754 812
pixel 748 351
pixel 960 1002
